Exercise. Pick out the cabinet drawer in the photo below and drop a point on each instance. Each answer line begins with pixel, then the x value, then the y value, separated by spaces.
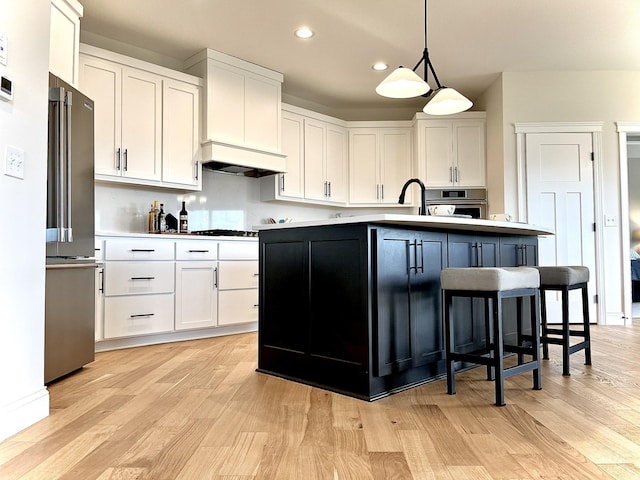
pixel 131 278
pixel 237 274
pixel 238 251
pixel 138 315
pixel 139 249
pixel 237 306
pixel 196 250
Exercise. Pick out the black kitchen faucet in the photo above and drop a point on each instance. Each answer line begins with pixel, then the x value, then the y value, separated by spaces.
pixel 423 195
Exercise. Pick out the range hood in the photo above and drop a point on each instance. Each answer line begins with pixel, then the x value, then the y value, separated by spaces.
pixel 241 160
pixel 241 114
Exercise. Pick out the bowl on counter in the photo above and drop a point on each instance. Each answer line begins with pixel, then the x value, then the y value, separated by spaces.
pixel 441 210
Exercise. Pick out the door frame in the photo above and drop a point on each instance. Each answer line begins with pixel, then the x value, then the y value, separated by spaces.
pixel 595 129
pixel 623 128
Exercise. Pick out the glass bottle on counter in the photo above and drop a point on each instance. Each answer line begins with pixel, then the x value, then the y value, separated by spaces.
pixel 156 211
pixel 183 221
pixel 162 220
pixel 151 226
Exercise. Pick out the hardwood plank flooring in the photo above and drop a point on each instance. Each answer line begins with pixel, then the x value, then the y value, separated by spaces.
pixel 198 410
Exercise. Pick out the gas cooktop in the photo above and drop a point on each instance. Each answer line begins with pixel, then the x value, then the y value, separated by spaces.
pixel 217 232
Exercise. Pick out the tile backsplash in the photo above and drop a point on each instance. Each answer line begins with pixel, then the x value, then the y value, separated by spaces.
pixel 226 201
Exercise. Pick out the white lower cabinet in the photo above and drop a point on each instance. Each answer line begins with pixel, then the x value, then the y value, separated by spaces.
pixel 196 295
pixel 238 306
pixel 138 315
pixel 172 287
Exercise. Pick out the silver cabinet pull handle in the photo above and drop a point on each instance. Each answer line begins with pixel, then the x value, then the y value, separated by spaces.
pixel 143 249
pixel 198 251
pixel 142 315
pixel 143 278
pixel 118 158
pixel 126 160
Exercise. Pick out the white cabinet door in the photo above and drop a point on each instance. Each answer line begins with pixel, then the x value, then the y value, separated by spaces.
pixel 64 41
pixel 196 295
pixel 437 153
pixel 364 185
pixel 238 274
pixel 452 152
pixel 379 163
pixel 141 124
pixel 315 187
pixel 101 81
pixel 292 182
pixel 395 164
pixel 336 163
pixel 238 306
pixel 469 153
pixel 325 161
pixel 180 134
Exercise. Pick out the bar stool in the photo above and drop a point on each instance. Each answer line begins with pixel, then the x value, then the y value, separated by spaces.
pixel 493 285
pixel 564 279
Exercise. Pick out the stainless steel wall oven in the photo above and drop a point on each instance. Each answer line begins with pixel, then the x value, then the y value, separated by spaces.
pixel 468 201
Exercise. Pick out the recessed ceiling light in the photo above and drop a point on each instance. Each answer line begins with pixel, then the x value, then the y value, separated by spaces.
pixel 379 66
pixel 304 32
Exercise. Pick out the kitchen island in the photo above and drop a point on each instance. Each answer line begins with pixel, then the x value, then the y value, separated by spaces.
pixel 353 304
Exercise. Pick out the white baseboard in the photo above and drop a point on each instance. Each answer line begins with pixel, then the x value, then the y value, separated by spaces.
pixel 615 318
pixel 23 413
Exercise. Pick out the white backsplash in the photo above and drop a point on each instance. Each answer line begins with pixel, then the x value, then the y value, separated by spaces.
pixel 226 201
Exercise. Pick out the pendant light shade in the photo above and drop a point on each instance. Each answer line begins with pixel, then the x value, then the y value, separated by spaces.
pixel 405 83
pixel 445 101
pixel 402 83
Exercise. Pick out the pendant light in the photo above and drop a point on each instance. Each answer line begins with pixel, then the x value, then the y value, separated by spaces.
pixel 405 83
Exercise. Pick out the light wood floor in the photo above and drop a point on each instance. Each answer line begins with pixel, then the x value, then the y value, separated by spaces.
pixel 198 410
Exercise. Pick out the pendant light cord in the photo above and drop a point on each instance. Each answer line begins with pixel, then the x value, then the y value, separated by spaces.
pixel 425 56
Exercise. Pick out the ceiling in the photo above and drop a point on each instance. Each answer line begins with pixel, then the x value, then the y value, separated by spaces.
pixel 470 41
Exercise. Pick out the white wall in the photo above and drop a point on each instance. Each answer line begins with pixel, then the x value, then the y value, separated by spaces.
pixel 23 124
pixel 226 201
pixel 598 96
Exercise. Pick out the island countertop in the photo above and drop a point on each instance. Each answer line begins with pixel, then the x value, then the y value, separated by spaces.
pixel 422 222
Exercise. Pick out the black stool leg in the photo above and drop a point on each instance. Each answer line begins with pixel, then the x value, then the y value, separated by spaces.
pixel 519 341
pixel 585 320
pixel 449 343
pixel 566 340
pixel 543 323
pixel 499 349
pixel 488 330
pixel 535 340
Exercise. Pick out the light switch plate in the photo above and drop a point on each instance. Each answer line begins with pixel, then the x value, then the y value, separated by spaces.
pixel 14 162
pixel 4 46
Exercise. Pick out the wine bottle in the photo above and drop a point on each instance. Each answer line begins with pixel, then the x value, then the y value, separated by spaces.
pixel 162 221
pixel 155 216
pixel 183 222
pixel 151 227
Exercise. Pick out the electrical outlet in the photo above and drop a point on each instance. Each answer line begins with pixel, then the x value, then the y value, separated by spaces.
pixel 610 221
pixel 14 162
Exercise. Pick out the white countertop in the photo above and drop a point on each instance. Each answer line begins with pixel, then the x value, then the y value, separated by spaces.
pixel 422 221
pixel 175 236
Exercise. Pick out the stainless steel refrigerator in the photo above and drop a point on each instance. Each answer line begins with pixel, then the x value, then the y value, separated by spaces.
pixel 70 267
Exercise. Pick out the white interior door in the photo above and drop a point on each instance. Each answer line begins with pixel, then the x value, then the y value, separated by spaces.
pixel 559 172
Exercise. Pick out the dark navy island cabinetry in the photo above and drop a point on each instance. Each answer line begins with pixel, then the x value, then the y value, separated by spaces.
pixel 355 306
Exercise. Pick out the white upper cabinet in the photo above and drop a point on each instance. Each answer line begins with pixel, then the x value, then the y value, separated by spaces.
pixel 288 185
pixel 451 152
pixel 146 120
pixel 379 164
pixel 325 161
pixel 64 41
pixel 241 107
pixel 180 134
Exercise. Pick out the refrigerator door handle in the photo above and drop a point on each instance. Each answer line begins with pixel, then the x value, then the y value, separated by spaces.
pixel 67 104
pixel 55 233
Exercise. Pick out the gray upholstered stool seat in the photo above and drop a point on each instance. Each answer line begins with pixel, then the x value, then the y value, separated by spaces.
pixel 489 278
pixel 493 285
pixel 565 279
pixel 561 275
